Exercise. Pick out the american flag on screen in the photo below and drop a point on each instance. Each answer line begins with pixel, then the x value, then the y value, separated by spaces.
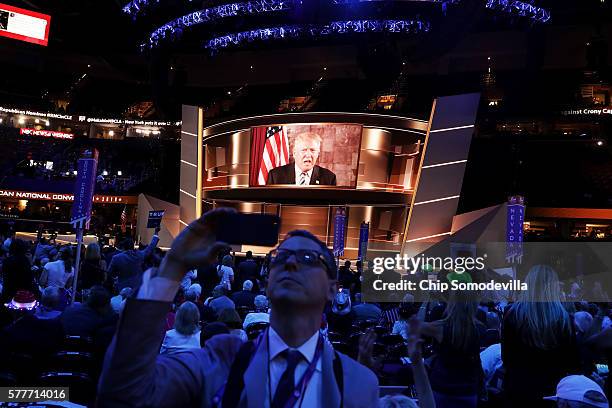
pixel 275 152
pixel 123 219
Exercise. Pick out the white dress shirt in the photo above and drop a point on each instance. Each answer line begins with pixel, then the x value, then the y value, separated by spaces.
pixel 298 175
pixel 313 393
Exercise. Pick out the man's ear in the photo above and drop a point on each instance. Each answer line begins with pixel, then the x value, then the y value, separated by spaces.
pixel 333 289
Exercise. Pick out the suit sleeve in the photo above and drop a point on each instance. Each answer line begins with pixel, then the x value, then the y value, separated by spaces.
pixel 152 245
pixel 271 178
pixel 333 181
pixel 135 375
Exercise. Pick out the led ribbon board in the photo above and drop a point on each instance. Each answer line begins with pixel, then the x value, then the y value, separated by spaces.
pixel 24 25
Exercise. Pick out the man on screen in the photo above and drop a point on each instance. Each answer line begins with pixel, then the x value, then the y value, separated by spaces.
pixel 303 171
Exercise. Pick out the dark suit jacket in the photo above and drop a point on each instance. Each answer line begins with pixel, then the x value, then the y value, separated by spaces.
pixel 135 375
pixel 244 299
pixel 286 175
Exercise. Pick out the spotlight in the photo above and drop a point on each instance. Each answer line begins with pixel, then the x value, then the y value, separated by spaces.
pixel 600 143
pixel 111 133
pixel 119 173
pixel 104 173
pixel 36 121
pixel 47 123
pixel 21 121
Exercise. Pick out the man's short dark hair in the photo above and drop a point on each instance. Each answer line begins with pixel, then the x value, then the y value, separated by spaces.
pixel 328 256
pixel 127 244
pixel 249 254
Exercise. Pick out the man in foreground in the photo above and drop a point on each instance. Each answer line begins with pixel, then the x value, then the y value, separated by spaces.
pixel 289 366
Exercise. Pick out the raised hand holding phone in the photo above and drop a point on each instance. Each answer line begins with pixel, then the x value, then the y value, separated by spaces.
pixel 196 245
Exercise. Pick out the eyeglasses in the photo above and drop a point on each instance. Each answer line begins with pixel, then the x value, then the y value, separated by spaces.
pixel 303 256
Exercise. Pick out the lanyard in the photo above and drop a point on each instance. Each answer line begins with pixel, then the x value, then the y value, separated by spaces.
pixel 300 389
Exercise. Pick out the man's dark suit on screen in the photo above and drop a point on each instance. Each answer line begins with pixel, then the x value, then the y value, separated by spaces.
pixel 286 175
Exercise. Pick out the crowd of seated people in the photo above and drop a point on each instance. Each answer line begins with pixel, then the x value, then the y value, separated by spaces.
pixel 122 164
pixel 457 353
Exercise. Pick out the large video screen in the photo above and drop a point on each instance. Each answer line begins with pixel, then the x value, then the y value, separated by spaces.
pixel 24 25
pixel 305 155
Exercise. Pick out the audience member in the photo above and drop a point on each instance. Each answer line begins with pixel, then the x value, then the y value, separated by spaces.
pixel 578 391
pixel 260 315
pixel 85 319
pixel 59 273
pixel 226 273
pixel 118 301
pixel 456 370
pixel 127 265
pixel 207 314
pixel 406 310
pixel 347 277
pixel 51 303
pixel 93 268
pixel 44 250
pixel 25 333
pixel 232 320
pixel 248 269
pixel 212 329
pixel 366 311
pixel 220 301
pixel 302 280
pixel 491 360
pixel 537 332
pixel 245 297
pixel 186 332
pixel 16 270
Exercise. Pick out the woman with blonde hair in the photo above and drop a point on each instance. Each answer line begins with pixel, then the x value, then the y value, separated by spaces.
pixel 93 268
pixel 538 341
pixel 186 332
pixel 456 373
pixel 226 272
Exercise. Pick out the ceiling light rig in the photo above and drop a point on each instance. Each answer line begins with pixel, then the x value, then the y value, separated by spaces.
pixel 317 31
pixel 173 30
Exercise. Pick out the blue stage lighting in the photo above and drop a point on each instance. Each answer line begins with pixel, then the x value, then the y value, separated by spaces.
pixel 520 8
pixel 176 26
pixel 317 31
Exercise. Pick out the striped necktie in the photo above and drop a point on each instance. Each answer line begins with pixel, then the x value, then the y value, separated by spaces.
pixel 303 178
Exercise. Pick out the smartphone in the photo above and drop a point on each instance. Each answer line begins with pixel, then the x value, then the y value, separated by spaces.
pixel 249 229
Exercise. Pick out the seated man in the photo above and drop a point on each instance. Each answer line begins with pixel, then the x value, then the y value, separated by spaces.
pixel 220 301
pixel 365 311
pixel 85 319
pixel 207 314
pixel 302 281
pixel 245 297
pixel 304 170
